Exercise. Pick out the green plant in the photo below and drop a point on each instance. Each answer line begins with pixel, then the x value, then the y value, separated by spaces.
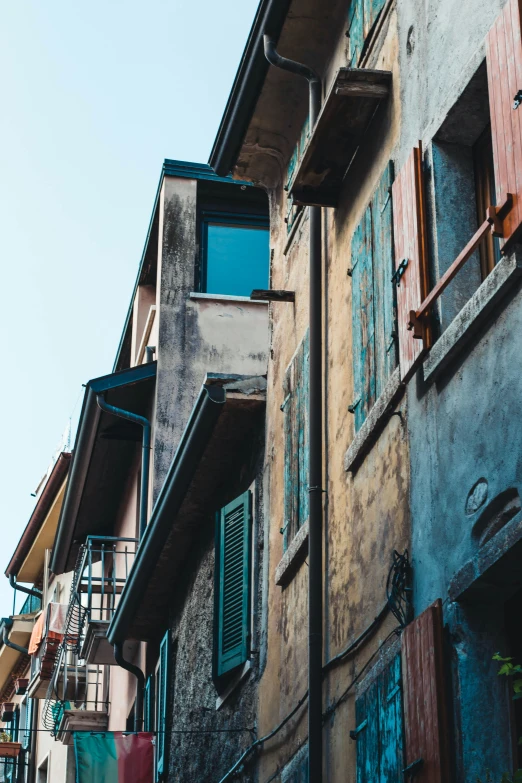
pixel 514 670
pixel 5 736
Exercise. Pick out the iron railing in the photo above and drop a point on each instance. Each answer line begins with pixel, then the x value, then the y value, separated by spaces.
pixel 31 604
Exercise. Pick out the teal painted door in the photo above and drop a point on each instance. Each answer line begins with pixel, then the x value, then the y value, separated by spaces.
pixel 379 728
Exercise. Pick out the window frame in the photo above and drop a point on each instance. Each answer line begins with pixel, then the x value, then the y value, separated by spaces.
pixel 225 218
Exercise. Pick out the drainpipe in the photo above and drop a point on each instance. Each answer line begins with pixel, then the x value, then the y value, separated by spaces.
pixel 12 645
pixel 31 771
pixel 315 420
pixel 140 686
pixel 29 591
pixel 145 459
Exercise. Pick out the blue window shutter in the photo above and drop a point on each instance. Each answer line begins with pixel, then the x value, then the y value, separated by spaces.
pixel 356 31
pixel 28 723
pixel 363 321
pixel 296 458
pixel 233 561
pixel 372 9
pixel 379 728
pixel 383 267
pixel 161 704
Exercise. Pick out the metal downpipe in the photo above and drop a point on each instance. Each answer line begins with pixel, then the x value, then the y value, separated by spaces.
pixel 29 591
pixel 315 536
pixel 140 685
pixel 12 645
pixel 145 459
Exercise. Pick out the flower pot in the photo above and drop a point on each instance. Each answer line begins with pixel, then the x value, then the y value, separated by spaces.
pixel 21 686
pixel 10 750
pixel 7 711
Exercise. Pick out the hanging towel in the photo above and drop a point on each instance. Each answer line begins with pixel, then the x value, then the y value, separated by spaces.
pixel 113 757
pixel 36 635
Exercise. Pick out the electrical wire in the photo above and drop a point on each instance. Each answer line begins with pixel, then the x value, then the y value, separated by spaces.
pixel 337 659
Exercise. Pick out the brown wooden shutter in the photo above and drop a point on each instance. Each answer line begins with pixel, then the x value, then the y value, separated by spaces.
pixel 425 717
pixel 504 65
pixel 409 224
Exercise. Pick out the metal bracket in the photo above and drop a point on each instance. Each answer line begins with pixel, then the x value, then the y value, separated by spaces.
pixel 517 100
pixel 355 734
pixel 396 277
pixel 352 407
pixel 411 770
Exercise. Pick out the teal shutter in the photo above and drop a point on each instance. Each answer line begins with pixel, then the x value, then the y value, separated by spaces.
pixel 161 704
pixel 148 711
pixel 374 344
pixel 363 321
pixel 379 729
pixel 233 564
pixel 295 426
pixel 28 723
pixel 383 268
pixel 363 15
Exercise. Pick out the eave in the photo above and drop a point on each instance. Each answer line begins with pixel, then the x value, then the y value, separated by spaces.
pixel 103 452
pixel 203 476
pixel 44 516
pixel 19 630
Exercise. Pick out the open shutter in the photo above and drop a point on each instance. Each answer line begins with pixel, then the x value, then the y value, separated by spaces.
pixel 233 560
pixel 363 320
pixel 161 704
pixel 425 718
pixel 411 262
pixel 295 411
pixel 372 9
pixel 504 65
pixel 148 711
pixel 379 732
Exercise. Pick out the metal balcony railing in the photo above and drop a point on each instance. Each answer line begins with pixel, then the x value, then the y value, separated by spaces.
pixel 31 604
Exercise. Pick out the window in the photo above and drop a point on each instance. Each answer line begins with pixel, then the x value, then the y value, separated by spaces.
pixel 379 728
pixel 485 195
pixel 374 345
pixel 233 567
pixel 235 253
pixel 292 211
pixel 161 683
pixel 295 412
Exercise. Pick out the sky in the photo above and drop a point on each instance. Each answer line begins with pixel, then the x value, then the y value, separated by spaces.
pixel 94 96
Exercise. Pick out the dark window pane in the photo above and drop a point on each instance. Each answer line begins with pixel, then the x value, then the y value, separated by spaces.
pixel 237 259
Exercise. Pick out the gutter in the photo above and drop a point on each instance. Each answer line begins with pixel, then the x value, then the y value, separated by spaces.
pixel 249 80
pixel 205 414
pixel 6 625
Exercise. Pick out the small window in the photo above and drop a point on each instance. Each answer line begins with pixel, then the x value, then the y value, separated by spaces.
pixel 232 585
pixel 485 195
pixel 235 254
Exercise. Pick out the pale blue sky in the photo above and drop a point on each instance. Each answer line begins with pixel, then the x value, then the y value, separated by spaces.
pixel 94 97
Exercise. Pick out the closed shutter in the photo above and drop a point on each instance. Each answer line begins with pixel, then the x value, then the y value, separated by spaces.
pixel 363 319
pixel 409 224
pixel 379 728
pixel 425 718
pixel 295 412
pixel 233 559
pixel 373 318
pixel 28 723
pixel 504 66
pixel 148 711
pixel 162 682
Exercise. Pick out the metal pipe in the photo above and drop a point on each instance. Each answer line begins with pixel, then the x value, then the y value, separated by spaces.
pixel 28 590
pixel 12 645
pixel 145 458
pixel 150 350
pixel 315 440
pixel 140 685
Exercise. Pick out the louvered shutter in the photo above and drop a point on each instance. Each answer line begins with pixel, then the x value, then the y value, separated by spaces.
pixel 384 307
pixel 363 319
pixel 162 672
pixel 233 559
pixel 295 412
pixel 356 32
pixel 28 721
pixel 148 712
pixel 504 66
pixel 379 731
pixel 425 718
pixel 409 224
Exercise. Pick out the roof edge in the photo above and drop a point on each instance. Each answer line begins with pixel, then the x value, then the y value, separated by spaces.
pixel 247 85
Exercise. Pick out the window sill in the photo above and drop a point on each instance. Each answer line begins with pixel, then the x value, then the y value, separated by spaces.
pixel 225 298
pixel 375 421
pixel 474 314
pixel 293 558
pixel 240 676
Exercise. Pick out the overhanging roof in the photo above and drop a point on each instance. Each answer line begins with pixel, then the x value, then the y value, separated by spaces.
pixel 218 441
pixel 19 630
pixel 103 451
pixel 45 515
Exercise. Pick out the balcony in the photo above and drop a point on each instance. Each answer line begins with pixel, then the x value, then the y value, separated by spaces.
pixel 31 605
pixel 46 640
pixel 99 582
pixel 76 698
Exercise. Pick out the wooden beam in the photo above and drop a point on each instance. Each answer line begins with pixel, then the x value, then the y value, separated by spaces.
pixel 275 295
